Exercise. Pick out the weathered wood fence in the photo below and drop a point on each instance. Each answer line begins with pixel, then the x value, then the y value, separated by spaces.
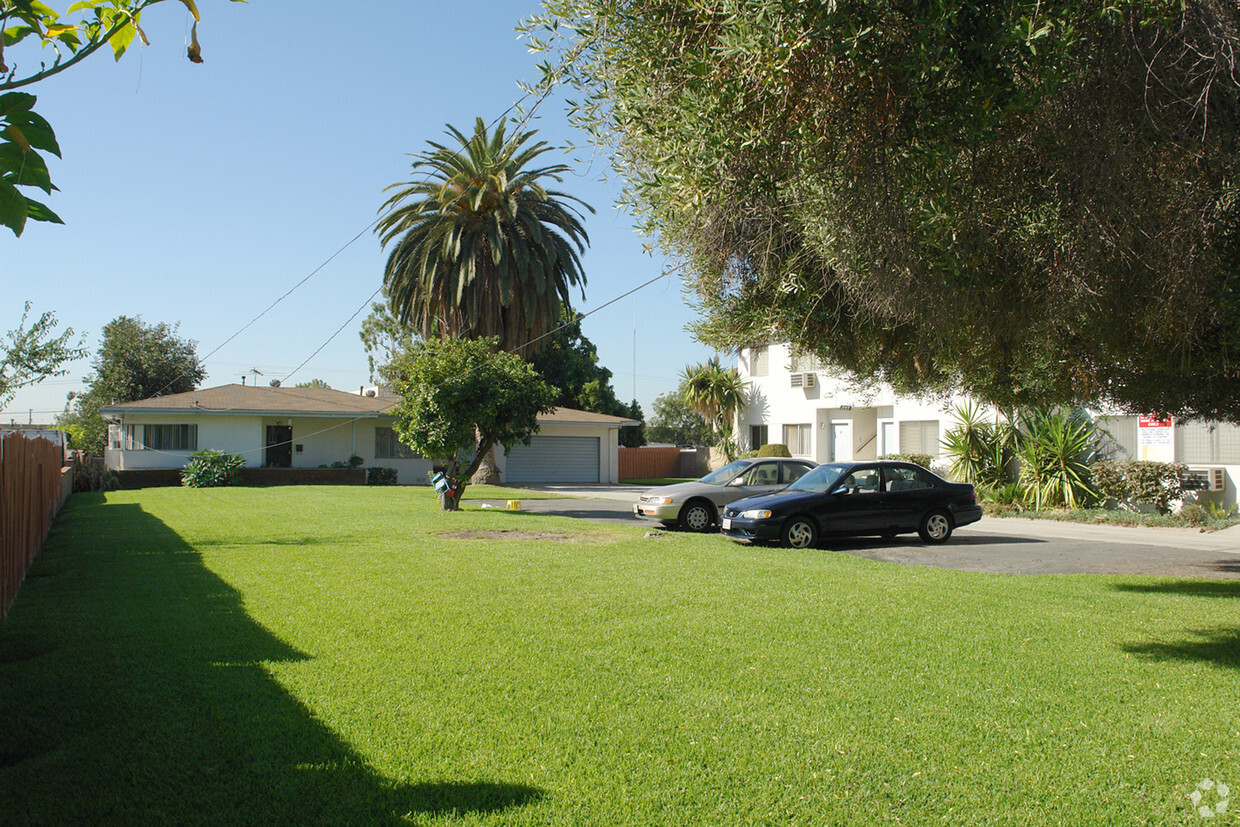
pixel 649 463
pixel 33 486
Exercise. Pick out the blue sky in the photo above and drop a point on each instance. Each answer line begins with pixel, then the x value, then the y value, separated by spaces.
pixel 201 194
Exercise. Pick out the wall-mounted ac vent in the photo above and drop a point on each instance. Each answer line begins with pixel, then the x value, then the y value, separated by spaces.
pixel 1204 478
pixel 803 380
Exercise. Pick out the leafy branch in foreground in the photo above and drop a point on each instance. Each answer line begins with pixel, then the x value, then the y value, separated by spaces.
pixel 1035 202
pixel 72 39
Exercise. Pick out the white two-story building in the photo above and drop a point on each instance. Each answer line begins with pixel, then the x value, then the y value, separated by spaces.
pixel 818 414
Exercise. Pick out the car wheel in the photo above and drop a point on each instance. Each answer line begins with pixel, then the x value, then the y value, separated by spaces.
pixel 697 515
pixel 800 532
pixel 935 528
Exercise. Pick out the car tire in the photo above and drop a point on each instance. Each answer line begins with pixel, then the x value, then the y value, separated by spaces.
pixel 697 515
pixel 935 527
pixel 799 532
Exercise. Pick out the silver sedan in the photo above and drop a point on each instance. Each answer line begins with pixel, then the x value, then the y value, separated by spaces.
pixel 695 506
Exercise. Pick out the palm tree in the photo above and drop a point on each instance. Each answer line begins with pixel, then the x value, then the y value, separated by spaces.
pixel 479 246
pixel 715 393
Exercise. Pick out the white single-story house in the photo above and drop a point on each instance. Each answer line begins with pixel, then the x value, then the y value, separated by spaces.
pixel 313 427
pixel 807 406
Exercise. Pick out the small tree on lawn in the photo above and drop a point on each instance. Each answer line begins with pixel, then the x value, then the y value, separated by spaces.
pixel 459 400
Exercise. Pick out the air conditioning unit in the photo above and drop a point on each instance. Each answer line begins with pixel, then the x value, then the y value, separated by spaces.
pixel 803 380
pixel 1204 478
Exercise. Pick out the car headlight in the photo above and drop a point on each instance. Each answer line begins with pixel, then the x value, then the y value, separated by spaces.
pixel 661 500
pixel 756 514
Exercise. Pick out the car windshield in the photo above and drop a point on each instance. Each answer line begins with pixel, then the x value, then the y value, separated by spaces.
pixel 725 474
pixel 820 480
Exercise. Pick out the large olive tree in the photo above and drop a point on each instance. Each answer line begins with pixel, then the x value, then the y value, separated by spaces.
pixel 1034 201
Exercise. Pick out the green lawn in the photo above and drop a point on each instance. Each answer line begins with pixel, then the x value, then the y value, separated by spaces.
pixel 355 656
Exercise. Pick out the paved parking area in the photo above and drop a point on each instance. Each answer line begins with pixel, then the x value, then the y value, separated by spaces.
pixel 993 545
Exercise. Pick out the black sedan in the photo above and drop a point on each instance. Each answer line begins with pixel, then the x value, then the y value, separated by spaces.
pixel 884 498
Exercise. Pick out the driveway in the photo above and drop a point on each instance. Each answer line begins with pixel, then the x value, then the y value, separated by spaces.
pixel 1007 545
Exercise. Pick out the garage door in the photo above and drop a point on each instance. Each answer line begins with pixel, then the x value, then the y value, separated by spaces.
pixel 554 459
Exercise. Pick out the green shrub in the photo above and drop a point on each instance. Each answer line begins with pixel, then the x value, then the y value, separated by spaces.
pixel 380 476
pixel 210 468
pixel 1132 482
pixel 917 459
pixel 773 449
pixel 354 461
pixel 1193 514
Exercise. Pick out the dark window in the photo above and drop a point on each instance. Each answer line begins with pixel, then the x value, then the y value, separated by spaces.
pixel 861 481
pixel 793 471
pixel 388 446
pixel 906 479
pixel 758 435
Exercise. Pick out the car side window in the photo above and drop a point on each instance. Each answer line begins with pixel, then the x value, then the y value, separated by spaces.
pixel 906 479
pixel 793 471
pixel 861 481
pixel 764 473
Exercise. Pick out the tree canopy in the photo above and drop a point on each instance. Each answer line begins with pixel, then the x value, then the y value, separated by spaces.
pixel 479 246
pixel 134 361
pixel 674 420
pixel 31 354
pixel 1034 202
pixel 458 400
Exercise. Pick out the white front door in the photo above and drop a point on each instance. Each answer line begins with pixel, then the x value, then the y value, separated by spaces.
pixel 841 442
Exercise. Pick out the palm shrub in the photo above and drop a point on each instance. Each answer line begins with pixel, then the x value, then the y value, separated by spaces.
pixel 980 450
pixel 479 246
pixel 1055 450
pixel 210 468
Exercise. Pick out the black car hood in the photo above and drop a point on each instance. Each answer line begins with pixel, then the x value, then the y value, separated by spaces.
pixel 779 501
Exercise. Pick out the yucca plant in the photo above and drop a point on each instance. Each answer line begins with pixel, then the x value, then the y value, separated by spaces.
pixel 1056 449
pixel 981 450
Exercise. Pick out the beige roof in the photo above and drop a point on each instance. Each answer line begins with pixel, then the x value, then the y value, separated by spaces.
pixel 571 416
pixel 248 399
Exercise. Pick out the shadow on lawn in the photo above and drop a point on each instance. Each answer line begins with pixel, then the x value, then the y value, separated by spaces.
pixel 1220 646
pixel 132 690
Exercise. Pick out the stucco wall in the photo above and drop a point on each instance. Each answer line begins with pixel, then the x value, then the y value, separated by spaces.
pixel 323 440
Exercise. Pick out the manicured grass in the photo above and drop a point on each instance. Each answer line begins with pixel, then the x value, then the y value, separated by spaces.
pixel 501 492
pixel 353 655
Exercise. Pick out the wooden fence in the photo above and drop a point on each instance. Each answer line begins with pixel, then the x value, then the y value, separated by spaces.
pixel 32 488
pixel 649 463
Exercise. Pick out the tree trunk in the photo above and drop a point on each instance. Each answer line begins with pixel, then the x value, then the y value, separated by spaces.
pixel 488 471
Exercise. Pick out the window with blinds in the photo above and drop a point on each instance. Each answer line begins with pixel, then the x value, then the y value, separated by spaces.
pixel 797 438
pixel 806 362
pixel 759 361
pixel 161 437
pixel 1208 443
pixel 920 437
